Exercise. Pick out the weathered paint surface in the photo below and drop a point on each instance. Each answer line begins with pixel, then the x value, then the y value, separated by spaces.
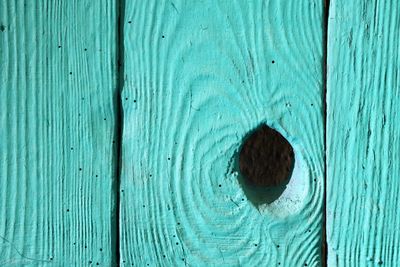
pixel 57 126
pixel 363 133
pixel 199 75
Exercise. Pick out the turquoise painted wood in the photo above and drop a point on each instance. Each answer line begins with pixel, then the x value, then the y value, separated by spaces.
pixel 57 132
pixel 363 133
pixel 199 75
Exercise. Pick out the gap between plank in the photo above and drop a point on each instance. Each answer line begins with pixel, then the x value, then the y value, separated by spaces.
pixel 325 73
pixel 120 12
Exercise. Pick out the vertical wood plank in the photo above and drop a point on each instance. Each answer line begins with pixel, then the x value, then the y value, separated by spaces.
pixel 199 76
pixel 362 133
pixel 57 129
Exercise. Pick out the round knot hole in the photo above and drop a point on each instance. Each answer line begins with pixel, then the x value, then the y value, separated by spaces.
pixel 266 158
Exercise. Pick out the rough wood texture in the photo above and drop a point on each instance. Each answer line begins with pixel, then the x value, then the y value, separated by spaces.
pixel 200 75
pixel 363 133
pixel 57 121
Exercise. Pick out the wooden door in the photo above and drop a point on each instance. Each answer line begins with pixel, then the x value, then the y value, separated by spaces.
pixel 122 124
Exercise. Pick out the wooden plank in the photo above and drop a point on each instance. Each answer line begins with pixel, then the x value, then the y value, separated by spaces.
pixel 199 75
pixel 57 126
pixel 362 132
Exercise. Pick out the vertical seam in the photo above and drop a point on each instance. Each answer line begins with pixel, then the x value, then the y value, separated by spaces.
pixel 325 75
pixel 120 73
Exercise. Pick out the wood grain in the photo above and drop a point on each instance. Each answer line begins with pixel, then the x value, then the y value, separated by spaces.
pixel 362 132
pixel 57 126
pixel 199 76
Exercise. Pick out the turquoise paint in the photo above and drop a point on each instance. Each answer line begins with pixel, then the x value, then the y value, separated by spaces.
pixel 57 126
pixel 362 133
pixel 198 77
